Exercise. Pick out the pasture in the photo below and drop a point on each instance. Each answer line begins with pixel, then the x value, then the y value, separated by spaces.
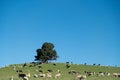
pixel 11 70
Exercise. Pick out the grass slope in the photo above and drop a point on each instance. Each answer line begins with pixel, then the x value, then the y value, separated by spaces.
pixel 7 72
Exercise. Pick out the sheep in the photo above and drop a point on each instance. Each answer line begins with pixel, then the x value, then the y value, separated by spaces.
pixel 81 77
pixel 48 75
pixel 57 75
pixel 78 76
pixel 90 73
pixel 72 72
pixel 25 78
pixel 100 74
pixel 116 74
pixel 107 74
pixel 35 76
pixel 40 71
pixel 28 75
pixel 14 68
pixel 42 75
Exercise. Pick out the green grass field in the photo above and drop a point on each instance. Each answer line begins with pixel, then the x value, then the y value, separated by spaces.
pixel 7 72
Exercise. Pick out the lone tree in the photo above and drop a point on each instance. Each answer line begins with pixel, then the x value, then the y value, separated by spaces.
pixel 46 53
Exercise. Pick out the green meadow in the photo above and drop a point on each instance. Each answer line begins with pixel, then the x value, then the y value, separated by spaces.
pixel 8 71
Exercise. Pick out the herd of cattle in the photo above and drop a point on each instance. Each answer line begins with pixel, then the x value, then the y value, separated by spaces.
pixel 48 74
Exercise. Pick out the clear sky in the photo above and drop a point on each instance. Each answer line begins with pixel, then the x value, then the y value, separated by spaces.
pixel 83 31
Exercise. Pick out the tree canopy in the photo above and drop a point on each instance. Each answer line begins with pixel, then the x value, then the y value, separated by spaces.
pixel 46 53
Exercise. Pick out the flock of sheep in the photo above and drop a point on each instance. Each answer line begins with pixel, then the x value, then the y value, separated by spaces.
pixel 26 76
pixel 48 74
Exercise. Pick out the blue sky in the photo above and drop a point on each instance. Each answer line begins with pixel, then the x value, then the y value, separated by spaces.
pixel 83 31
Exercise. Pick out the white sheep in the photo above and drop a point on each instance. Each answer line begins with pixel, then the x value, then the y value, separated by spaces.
pixel 100 74
pixel 80 77
pixel 108 74
pixel 42 75
pixel 14 68
pixel 116 74
pixel 83 77
pixel 25 78
pixel 57 75
pixel 28 75
pixel 48 75
pixel 35 76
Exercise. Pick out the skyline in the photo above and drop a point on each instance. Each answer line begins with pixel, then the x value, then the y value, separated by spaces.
pixel 82 31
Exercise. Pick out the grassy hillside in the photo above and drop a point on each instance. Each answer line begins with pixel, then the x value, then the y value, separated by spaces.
pixel 7 72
